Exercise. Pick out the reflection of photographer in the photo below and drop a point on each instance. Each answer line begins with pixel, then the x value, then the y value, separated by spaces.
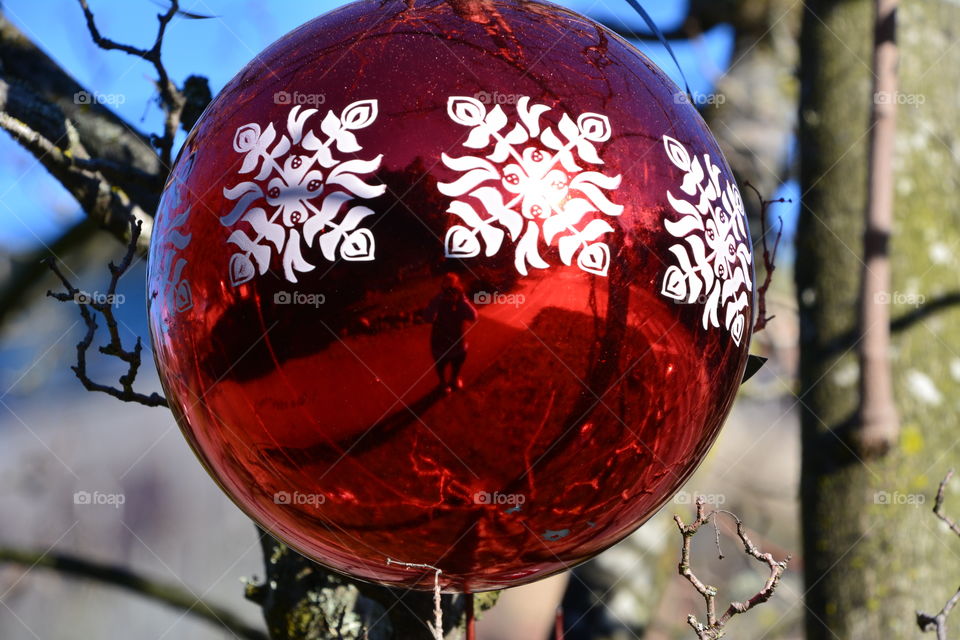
pixel 449 312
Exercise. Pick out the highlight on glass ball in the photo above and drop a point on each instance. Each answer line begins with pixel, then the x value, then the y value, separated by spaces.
pixel 423 296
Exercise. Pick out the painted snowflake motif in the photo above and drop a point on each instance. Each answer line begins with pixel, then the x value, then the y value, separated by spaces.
pixel 299 188
pixel 713 257
pixel 177 287
pixel 177 292
pixel 550 199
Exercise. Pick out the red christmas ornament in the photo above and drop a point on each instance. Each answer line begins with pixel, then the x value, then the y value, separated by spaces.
pixel 519 202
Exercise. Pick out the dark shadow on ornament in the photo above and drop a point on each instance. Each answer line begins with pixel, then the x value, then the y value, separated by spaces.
pixel 544 381
pixel 520 400
pixel 377 435
pixel 449 313
pixel 495 345
pixel 606 335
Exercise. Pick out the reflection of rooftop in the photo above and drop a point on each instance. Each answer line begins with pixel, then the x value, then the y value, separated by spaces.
pixel 533 375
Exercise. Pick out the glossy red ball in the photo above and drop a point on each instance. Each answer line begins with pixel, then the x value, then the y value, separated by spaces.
pixel 454 287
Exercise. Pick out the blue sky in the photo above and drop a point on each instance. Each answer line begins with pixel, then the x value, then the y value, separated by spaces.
pixel 35 209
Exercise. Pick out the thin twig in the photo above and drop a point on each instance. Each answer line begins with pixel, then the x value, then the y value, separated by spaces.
pixel 938 622
pixel 171 98
pixel 435 627
pixel 169 594
pixel 92 305
pixel 938 504
pixel 769 257
pixel 714 627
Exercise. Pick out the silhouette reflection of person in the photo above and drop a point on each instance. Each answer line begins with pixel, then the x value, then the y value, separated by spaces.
pixel 449 311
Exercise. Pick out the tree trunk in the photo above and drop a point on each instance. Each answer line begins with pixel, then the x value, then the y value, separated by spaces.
pixel 303 601
pixel 872 554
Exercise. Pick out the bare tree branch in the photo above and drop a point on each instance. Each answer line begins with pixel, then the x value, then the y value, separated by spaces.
pixel 37 92
pixel 769 257
pixel 714 627
pixel 89 307
pixel 938 505
pixel 171 98
pixel 169 594
pixel 101 199
pixel 877 427
pixel 938 622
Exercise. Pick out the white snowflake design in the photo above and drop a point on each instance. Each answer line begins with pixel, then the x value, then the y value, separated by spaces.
pixel 177 288
pixel 177 292
pixel 550 194
pixel 299 190
pixel 713 257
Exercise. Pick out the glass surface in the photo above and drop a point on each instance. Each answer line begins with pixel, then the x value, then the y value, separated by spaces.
pixel 591 338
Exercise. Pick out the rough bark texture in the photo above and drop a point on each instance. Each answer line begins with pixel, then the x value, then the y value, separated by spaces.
pixel 43 95
pixel 873 556
pixel 104 162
